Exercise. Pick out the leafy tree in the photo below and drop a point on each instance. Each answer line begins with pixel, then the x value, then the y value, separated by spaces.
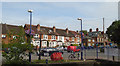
pixel 113 32
pixel 84 31
pixel 17 46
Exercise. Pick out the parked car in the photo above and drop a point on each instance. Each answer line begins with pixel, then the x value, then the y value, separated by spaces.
pixel 49 51
pixel 90 47
pixel 60 48
pixel 115 46
pixel 73 49
pixel 65 49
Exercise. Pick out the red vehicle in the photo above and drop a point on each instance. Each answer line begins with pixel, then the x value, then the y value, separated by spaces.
pixel 73 49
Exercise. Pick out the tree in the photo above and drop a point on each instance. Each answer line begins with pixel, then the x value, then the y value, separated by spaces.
pixel 84 31
pixel 17 47
pixel 113 32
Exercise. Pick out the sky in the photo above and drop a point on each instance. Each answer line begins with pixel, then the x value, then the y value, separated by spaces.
pixel 61 14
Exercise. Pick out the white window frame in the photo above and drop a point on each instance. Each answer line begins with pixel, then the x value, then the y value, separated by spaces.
pixel 97 39
pixel 89 40
pixel 60 38
pixel 36 36
pixel 73 38
pixel 78 39
pixel 67 38
pixel 89 44
pixel 3 36
pixel 45 37
pixel 53 37
pixel 14 37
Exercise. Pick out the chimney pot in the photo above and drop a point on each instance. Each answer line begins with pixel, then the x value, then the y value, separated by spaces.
pixel 67 30
pixel 90 30
pixel 54 29
pixel 38 27
pixel 97 29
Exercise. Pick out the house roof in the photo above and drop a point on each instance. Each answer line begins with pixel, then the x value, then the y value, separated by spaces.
pixel 49 31
pixel 7 28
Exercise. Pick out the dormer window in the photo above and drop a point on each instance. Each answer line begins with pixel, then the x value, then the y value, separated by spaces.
pixel 50 31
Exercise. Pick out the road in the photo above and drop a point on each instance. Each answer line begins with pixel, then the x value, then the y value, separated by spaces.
pixel 88 54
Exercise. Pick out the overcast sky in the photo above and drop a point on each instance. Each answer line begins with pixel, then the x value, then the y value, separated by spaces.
pixel 61 14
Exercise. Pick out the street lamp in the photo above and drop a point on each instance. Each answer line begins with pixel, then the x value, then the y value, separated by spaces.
pixel 30 11
pixel 81 39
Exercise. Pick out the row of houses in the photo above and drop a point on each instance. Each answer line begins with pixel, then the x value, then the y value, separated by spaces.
pixel 54 37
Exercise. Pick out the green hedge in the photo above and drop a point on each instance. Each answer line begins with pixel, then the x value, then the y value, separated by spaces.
pixel 74 44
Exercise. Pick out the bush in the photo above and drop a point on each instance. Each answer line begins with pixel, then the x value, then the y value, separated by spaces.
pixel 74 45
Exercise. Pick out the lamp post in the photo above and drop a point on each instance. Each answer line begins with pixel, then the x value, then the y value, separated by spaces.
pixel 30 11
pixel 39 58
pixel 97 49
pixel 81 39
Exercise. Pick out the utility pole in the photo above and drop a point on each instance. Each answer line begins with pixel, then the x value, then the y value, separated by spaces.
pixel 39 58
pixel 103 32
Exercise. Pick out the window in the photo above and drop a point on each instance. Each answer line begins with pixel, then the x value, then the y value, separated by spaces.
pixel 60 37
pixel 67 38
pixel 53 37
pixel 93 44
pixel 3 36
pixel 78 38
pixel 98 39
pixel 72 38
pixel 89 40
pixel 89 44
pixel 14 37
pixel 45 36
pixel 44 43
pixel 93 40
pixel 36 36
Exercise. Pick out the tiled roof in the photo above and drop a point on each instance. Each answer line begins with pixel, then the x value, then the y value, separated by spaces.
pixel 49 31
pixel 7 28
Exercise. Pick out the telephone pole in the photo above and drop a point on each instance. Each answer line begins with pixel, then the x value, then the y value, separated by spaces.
pixel 103 32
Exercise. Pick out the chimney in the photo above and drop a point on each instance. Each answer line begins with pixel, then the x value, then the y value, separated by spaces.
pixel 67 30
pixel 90 30
pixel 77 31
pixel 102 32
pixel 97 29
pixel 54 29
pixel 38 27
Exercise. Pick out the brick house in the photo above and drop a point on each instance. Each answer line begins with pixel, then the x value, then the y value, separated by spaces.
pixel 94 37
pixel 6 28
pixel 53 37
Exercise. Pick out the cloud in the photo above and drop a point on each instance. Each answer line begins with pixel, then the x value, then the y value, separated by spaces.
pixel 61 15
